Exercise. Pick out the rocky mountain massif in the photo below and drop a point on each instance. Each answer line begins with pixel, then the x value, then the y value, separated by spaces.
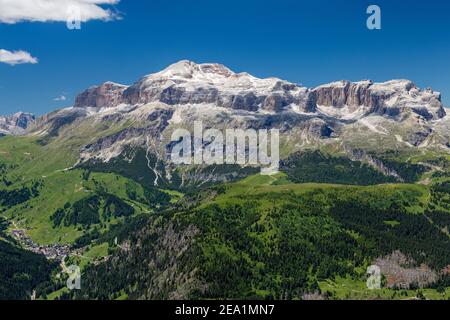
pixel 364 166
pixel 343 117
pixel 187 83
pixel 16 124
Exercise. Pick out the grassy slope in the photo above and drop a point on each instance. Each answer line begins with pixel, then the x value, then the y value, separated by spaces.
pixel 270 189
pixel 273 185
pixel 356 289
pixel 27 161
pixel 264 237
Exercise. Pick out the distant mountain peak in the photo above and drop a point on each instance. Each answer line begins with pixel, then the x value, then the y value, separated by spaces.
pixel 16 124
pixel 390 98
pixel 188 83
pixel 188 70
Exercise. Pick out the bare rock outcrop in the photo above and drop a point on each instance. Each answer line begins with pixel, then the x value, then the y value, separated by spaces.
pixel 107 95
pixel 16 124
pixel 402 272
pixel 392 98
pixel 188 83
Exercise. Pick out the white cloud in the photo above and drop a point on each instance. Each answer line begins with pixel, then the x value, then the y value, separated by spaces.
pixel 16 57
pixel 60 98
pixel 13 11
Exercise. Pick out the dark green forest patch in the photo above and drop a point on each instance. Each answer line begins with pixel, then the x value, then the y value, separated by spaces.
pixel 316 166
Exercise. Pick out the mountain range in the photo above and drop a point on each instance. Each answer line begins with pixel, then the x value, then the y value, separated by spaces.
pixel 364 179
pixel 16 124
pixel 345 116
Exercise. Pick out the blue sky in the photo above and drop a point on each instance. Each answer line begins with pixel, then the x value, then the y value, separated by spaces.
pixel 307 42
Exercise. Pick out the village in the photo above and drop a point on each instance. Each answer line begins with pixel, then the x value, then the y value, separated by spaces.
pixel 51 252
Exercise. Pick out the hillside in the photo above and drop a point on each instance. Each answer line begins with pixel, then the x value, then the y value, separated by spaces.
pixel 265 238
pixel 364 173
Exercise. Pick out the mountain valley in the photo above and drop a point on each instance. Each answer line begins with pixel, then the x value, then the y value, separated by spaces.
pixel 364 179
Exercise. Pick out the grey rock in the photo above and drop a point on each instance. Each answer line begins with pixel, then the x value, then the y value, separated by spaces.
pixel 392 98
pixel 16 124
pixel 107 95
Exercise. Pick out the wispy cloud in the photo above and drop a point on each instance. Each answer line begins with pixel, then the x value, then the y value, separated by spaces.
pixel 13 11
pixel 16 57
pixel 60 98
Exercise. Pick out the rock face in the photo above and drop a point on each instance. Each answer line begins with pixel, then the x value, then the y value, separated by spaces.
pixel 392 98
pixel 344 93
pixel 16 124
pixel 187 83
pixel 363 115
pixel 107 95
pixel 401 272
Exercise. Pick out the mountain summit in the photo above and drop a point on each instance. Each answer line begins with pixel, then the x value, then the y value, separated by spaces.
pixel 188 83
pixel 16 124
pixel 347 117
pixel 104 169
